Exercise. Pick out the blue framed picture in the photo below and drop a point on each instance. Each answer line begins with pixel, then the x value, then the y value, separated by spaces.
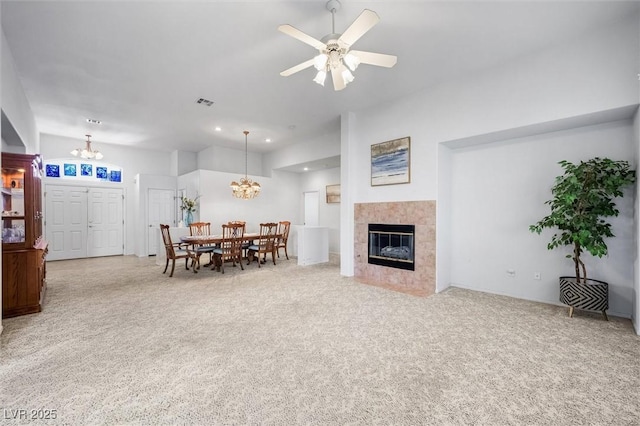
pixel 69 169
pixel 86 169
pixel 115 176
pixel 101 172
pixel 53 170
pixel 391 162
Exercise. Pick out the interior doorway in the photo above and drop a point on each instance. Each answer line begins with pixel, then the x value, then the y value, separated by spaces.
pixel 311 208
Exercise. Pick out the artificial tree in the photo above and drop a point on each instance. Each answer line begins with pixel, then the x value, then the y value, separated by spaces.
pixel 582 197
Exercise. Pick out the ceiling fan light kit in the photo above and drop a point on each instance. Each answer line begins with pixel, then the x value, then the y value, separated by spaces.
pixel 335 56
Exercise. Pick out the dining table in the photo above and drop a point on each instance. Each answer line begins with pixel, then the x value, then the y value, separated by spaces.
pixel 216 239
pixel 213 239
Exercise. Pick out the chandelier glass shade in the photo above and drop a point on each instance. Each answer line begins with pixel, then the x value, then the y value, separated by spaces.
pixel 246 189
pixel 86 152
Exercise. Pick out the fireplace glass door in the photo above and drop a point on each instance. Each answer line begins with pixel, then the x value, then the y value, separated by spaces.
pixel 392 245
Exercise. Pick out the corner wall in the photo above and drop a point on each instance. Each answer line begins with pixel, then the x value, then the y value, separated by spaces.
pixel 581 77
pixel 636 227
pixel 15 104
pixel 501 188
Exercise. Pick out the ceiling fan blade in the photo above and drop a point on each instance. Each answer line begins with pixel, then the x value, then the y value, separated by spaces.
pixel 362 24
pixel 305 38
pixel 379 59
pixel 297 68
pixel 336 76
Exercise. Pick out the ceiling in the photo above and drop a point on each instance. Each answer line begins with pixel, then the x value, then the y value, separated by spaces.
pixel 140 66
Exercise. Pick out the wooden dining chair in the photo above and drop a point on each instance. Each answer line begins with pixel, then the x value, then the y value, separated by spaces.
pixel 176 251
pixel 283 237
pixel 266 243
pixel 201 229
pixel 245 244
pixel 230 248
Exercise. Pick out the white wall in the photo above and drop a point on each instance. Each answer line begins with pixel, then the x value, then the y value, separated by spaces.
pixel 636 228
pixel 636 127
pixel 183 162
pixel 230 160
pixel 328 214
pixel 133 162
pixel 500 189
pixel 348 179
pixel 579 78
pixel 15 104
pixel 310 149
pixel 16 149
pixel 588 75
pixel 280 199
pixel 443 219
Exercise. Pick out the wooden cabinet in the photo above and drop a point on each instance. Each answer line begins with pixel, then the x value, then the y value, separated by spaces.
pixel 23 247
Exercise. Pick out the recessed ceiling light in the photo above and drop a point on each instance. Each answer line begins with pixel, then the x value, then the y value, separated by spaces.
pixel 267 140
pixel 306 168
pixel 218 129
pixel 92 121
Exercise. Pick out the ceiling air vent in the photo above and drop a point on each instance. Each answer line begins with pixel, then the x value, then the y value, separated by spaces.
pixel 204 102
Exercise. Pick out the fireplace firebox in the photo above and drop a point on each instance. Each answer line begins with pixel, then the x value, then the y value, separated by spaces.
pixel 392 245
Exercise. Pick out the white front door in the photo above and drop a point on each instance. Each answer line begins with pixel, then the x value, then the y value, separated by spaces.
pixel 83 222
pixel 161 208
pixel 66 221
pixel 105 222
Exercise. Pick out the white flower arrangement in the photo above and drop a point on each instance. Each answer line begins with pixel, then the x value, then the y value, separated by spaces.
pixel 188 204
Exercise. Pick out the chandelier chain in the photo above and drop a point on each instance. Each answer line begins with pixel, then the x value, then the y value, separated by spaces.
pixel 247 188
pixel 245 153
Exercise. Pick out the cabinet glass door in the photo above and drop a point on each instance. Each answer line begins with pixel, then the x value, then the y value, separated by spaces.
pixel 13 205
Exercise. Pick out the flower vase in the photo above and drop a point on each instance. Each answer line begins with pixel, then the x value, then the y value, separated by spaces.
pixel 188 218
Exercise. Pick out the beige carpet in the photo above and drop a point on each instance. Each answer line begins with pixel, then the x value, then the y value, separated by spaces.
pixel 118 342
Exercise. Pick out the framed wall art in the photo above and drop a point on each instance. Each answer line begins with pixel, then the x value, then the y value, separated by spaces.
pixel 333 194
pixel 391 162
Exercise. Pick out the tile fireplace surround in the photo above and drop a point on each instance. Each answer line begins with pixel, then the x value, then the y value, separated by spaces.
pixel 422 214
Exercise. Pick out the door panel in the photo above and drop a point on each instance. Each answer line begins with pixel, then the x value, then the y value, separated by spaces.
pixel 161 209
pixel 105 236
pixel 66 222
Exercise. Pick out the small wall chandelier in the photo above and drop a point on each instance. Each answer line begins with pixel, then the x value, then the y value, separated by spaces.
pixel 246 189
pixel 87 152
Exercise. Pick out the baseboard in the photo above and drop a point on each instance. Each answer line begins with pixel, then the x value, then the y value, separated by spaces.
pixel 609 312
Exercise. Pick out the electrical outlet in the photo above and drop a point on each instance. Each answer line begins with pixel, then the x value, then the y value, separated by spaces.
pixel 537 276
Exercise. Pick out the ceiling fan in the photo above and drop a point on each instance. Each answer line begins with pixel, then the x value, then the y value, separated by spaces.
pixel 335 55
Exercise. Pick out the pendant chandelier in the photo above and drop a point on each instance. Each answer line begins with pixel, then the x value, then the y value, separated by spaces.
pixel 246 189
pixel 87 153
